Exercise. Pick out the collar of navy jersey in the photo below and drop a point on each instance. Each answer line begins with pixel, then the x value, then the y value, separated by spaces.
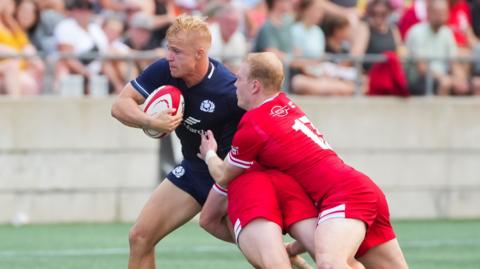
pixel 211 70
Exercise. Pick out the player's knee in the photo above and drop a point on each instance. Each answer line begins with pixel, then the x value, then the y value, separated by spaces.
pixel 138 237
pixel 205 222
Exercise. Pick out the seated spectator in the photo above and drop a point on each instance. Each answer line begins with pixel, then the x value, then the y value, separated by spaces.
pixel 377 34
pixel 17 76
pixel 138 38
pixel 460 22
pixel 475 11
pixel 82 37
pixel 120 6
pixel 308 38
pixel 117 69
pixel 229 45
pixel 328 77
pixel 416 13
pixel 162 18
pixel 255 16
pixel 51 13
pixel 28 16
pixel 275 34
pixel 434 39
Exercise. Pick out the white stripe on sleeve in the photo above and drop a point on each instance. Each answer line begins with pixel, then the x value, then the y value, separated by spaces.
pixel 238 163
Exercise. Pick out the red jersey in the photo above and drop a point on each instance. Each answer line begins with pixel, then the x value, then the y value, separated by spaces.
pixel 459 21
pixel 278 135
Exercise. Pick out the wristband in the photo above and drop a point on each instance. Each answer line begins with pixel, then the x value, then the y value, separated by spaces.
pixel 209 155
pixel 219 189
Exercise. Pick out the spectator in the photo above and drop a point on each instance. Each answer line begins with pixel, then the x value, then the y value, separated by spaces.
pixel 17 76
pixel 435 39
pixel 162 19
pixel 51 13
pixel 118 69
pixel 414 14
pixel 377 34
pixel 275 34
pixel 327 78
pixel 308 38
pixel 255 16
pixel 229 45
pixel 460 22
pixel 139 36
pixel 343 8
pixel 80 36
pixel 28 16
pixel 120 6
pixel 475 11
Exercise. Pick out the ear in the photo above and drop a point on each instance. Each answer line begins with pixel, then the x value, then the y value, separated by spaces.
pixel 256 87
pixel 199 53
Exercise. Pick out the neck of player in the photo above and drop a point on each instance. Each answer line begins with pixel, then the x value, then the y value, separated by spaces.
pixel 201 70
pixel 261 99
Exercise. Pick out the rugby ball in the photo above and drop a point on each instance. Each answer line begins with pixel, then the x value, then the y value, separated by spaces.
pixel 161 99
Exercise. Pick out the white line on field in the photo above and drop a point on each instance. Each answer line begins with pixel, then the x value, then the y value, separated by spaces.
pixel 113 251
pixel 207 248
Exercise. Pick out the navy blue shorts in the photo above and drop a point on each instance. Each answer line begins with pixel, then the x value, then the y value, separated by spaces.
pixel 193 178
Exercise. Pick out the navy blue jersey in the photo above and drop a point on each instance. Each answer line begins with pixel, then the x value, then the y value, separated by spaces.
pixel 209 105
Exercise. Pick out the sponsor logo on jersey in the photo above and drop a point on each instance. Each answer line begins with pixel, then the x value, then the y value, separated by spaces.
pixel 207 106
pixel 192 121
pixel 279 111
pixel 179 171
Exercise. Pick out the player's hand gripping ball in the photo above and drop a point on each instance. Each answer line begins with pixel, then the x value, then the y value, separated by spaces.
pixel 161 99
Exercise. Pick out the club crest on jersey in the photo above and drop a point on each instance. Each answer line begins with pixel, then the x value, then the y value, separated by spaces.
pixel 179 171
pixel 234 150
pixel 207 106
pixel 279 111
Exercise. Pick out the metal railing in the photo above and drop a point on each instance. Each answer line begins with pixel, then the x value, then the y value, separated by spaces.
pixel 50 61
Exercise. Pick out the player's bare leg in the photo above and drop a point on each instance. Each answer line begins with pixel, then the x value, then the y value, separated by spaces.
pixel 385 256
pixel 168 208
pixel 261 243
pixel 303 231
pixel 336 242
pixel 213 217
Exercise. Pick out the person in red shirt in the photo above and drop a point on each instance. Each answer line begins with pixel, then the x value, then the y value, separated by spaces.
pixel 353 223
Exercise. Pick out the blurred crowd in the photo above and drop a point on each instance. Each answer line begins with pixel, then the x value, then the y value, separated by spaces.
pixel 329 47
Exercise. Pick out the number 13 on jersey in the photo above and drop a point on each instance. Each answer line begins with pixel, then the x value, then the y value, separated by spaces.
pixel 304 125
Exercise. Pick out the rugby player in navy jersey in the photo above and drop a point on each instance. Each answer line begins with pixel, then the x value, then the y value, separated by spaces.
pixel 210 104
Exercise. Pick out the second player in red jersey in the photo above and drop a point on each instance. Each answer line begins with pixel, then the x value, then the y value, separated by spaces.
pixel 353 212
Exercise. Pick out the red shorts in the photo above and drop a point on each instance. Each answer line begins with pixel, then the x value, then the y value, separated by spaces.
pixel 268 194
pixel 359 198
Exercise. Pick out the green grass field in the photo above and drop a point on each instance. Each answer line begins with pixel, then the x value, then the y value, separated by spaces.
pixel 427 245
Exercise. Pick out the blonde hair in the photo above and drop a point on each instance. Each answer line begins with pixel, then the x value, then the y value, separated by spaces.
pixel 266 68
pixel 192 26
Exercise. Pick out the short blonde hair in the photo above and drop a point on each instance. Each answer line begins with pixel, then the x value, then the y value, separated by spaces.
pixel 266 68
pixel 192 26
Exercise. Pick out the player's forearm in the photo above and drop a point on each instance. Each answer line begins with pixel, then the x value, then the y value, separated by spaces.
pixel 127 112
pixel 215 168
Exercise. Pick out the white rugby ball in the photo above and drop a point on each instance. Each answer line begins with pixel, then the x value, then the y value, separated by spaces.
pixel 161 99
